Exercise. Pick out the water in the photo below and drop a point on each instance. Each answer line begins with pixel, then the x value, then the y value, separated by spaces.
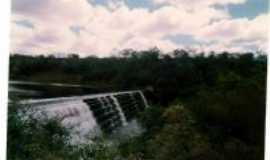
pixel 87 115
pixel 73 114
pixel 36 90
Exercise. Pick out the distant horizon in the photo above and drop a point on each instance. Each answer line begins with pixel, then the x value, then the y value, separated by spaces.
pixel 118 53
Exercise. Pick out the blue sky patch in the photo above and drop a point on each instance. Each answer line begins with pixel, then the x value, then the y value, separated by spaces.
pixel 250 9
pixel 25 23
pixel 76 29
pixel 130 3
pixel 182 39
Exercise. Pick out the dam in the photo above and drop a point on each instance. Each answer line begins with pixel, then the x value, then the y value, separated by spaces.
pixel 92 115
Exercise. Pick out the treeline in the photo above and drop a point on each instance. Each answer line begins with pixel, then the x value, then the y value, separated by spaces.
pixel 207 107
pixel 177 74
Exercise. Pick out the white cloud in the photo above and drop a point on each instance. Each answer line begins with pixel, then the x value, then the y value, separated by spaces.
pixel 116 26
pixel 241 31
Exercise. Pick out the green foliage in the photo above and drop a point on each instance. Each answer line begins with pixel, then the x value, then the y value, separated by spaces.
pixel 99 150
pixel 236 104
pixel 220 117
pixel 32 139
pixel 180 139
pixel 29 138
pixel 152 119
pixel 173 75
pixel 182 136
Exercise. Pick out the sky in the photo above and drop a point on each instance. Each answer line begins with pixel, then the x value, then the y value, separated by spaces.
pixel 104 27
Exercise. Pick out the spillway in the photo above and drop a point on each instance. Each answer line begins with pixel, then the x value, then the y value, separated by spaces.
pixel 91 115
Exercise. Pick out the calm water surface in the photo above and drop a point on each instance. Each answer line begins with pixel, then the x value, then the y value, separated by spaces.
pixel 36 90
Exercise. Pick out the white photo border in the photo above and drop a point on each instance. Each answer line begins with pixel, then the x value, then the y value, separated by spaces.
pixel 5 10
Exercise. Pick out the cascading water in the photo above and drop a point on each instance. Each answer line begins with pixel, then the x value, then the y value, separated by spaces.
pixel 94 114
pixel 121 113
pixel 73 114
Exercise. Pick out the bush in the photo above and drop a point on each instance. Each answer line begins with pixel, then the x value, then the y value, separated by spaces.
pixel 28 138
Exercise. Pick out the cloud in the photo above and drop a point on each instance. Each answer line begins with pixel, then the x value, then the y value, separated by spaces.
pixel 242 32
pixel 83 27
pixel 67 11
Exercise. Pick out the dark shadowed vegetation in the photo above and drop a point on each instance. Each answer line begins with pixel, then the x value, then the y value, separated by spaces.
pixel 204 107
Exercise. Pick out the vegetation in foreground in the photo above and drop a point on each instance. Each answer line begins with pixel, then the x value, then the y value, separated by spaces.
pixel 203 107
pixel 172 134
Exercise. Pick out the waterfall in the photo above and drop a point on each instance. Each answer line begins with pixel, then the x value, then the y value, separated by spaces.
pixel 93 114
pixel 73 114
pixel 123 118
pixel 143 98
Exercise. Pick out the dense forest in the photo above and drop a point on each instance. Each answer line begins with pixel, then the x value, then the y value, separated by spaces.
pixel 203 106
